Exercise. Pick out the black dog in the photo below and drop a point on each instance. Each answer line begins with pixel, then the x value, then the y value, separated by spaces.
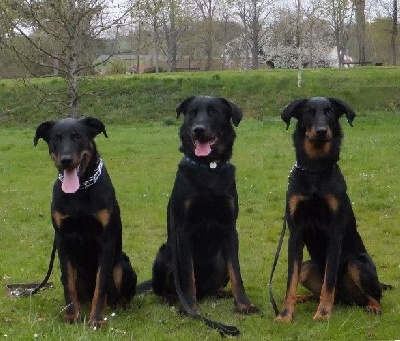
pixel 203 209
pixel 320 216
pixel 86 220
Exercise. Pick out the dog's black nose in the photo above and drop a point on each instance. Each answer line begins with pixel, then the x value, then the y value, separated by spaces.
pixel 199 128
pixel 66 160
pixel 321 131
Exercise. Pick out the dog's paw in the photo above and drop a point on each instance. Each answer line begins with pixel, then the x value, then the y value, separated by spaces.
pixel 95 324
pixel 374 309
pixel 285 315
pixel 72 317
pixel 247 309
pixel 321 315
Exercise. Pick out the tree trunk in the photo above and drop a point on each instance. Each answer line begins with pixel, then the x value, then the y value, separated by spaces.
pixel 360 27
pixel 72 86
pixel 298 43
pixel 172 37
pixel 156 46
pixel 255 48
pixel 209 43
pixel 138 42
pixel 393 44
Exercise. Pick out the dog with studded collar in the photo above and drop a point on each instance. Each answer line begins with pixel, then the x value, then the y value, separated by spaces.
pixel 86 220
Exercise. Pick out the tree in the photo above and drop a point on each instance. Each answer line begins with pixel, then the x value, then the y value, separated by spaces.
pixel 152 13
pixel 172 34
pixel 360 30
pixel 207 10
pixel 394 33
pixel 340 15
pixel 254 15
pixel 299 43
pixel 295 31
pixel 62 36
pixel 175 21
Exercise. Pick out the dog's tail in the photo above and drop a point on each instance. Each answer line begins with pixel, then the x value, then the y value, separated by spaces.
pixel 386 287
pixel 143 287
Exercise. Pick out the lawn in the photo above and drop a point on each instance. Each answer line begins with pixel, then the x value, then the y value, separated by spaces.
pixel 141 159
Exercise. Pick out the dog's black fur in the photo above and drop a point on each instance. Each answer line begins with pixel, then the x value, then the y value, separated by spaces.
pixel 87 223
pixel 203 208
pixel 320 216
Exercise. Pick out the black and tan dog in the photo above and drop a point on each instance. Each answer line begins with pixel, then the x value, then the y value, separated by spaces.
pixel 320 216
pixel 203 209
pixel 86 220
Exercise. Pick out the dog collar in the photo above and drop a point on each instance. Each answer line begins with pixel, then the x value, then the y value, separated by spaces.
pixel 92 180
pixel 211 165
pixel 306 169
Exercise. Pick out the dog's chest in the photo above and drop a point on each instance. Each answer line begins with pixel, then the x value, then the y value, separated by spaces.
pixel 82 228
pixel 208 222
pixel 313 211
pixel 208 211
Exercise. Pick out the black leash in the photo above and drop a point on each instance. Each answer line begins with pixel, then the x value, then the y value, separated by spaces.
pixel 31 292
pixel 222 328
pixel 278 251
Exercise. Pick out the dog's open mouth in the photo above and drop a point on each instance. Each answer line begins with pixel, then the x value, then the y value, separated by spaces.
pixel 70 182
pixel 203 148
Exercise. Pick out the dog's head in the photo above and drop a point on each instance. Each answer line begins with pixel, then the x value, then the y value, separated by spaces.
pixel 207 130
pixel 71 146
pixel 318 126
pixel 318 115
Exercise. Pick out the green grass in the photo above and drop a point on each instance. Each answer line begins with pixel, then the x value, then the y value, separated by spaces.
pixel 142 159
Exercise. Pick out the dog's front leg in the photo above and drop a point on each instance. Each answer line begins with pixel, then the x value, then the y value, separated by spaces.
pixel 295 259
pixel 231 255
pixel 327 297
pixel 68 279
pixel 186 268
pixel 103 279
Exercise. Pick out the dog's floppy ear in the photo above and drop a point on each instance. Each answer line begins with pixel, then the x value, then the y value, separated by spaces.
pixel 342 108
pixel 236 113
pixel 183 106
pixel 42 132
pixel 95 126
pixel 294 109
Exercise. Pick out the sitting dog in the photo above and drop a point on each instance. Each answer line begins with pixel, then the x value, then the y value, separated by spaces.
pixel 86 220
pixel 320 216
pixel 203 208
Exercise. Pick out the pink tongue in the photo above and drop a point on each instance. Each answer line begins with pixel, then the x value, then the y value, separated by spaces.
pixel 202 149
pixel 70 182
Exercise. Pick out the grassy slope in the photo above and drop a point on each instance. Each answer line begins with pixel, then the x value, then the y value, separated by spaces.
pixel 142 158
pixel 127 99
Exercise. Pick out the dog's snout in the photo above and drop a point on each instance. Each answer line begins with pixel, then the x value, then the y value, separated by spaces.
pixel 321 131
pixel 66 160
pixel 199 128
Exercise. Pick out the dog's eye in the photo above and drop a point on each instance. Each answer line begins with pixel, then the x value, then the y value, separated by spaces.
pixel 57 137
pixel 212 111
pixel 75 136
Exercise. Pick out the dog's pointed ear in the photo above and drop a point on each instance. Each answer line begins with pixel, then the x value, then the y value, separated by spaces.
pixel 95 126
pixel 343 108
pixel 182 108
pixel 294 109
pixel 42 132
pixel 236 113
